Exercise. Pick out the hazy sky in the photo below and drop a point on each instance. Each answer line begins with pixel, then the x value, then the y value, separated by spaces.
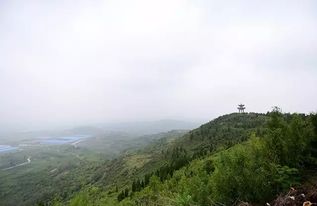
pixel 77 62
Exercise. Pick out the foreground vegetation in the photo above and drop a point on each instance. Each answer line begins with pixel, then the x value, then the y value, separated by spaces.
pixel 266 155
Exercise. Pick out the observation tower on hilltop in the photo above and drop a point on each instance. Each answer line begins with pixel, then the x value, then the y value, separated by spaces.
pixel 241 108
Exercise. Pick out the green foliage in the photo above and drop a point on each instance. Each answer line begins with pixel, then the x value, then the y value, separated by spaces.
pixel 252 171
pixel 241 174
pixel 154 183
pixel 80 199
pixel 286 177
pixel 123 194
pixel 288 139
pixel 209 167
pixel 237 157
pixel 312 154
pixel 184 200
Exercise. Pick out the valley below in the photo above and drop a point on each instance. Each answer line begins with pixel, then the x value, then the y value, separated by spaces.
pixel 37 169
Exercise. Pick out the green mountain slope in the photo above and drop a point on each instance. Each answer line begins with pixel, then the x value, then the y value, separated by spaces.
pixel 235 158
pixel 165 161
pixel 166 152
pixel 232 159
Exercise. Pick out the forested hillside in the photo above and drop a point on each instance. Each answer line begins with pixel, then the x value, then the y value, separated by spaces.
pixel 232 159
pixel 62 170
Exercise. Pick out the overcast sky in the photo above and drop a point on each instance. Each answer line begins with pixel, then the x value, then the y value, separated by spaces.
pixel 78 62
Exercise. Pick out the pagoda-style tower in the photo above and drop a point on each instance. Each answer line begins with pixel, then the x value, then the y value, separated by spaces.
pixel 241 108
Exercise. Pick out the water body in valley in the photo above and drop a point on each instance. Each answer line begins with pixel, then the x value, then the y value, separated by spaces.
pixel 63 140
pixel 7 148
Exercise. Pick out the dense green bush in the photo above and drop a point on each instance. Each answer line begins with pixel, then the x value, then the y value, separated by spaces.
pixel 242 173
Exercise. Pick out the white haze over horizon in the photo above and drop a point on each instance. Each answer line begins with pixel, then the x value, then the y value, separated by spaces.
pixel 76 62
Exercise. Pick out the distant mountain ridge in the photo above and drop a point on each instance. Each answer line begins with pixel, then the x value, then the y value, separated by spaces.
pixel 149 127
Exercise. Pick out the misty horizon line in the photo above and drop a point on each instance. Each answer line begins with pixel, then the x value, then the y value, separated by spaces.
pixel 106 125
